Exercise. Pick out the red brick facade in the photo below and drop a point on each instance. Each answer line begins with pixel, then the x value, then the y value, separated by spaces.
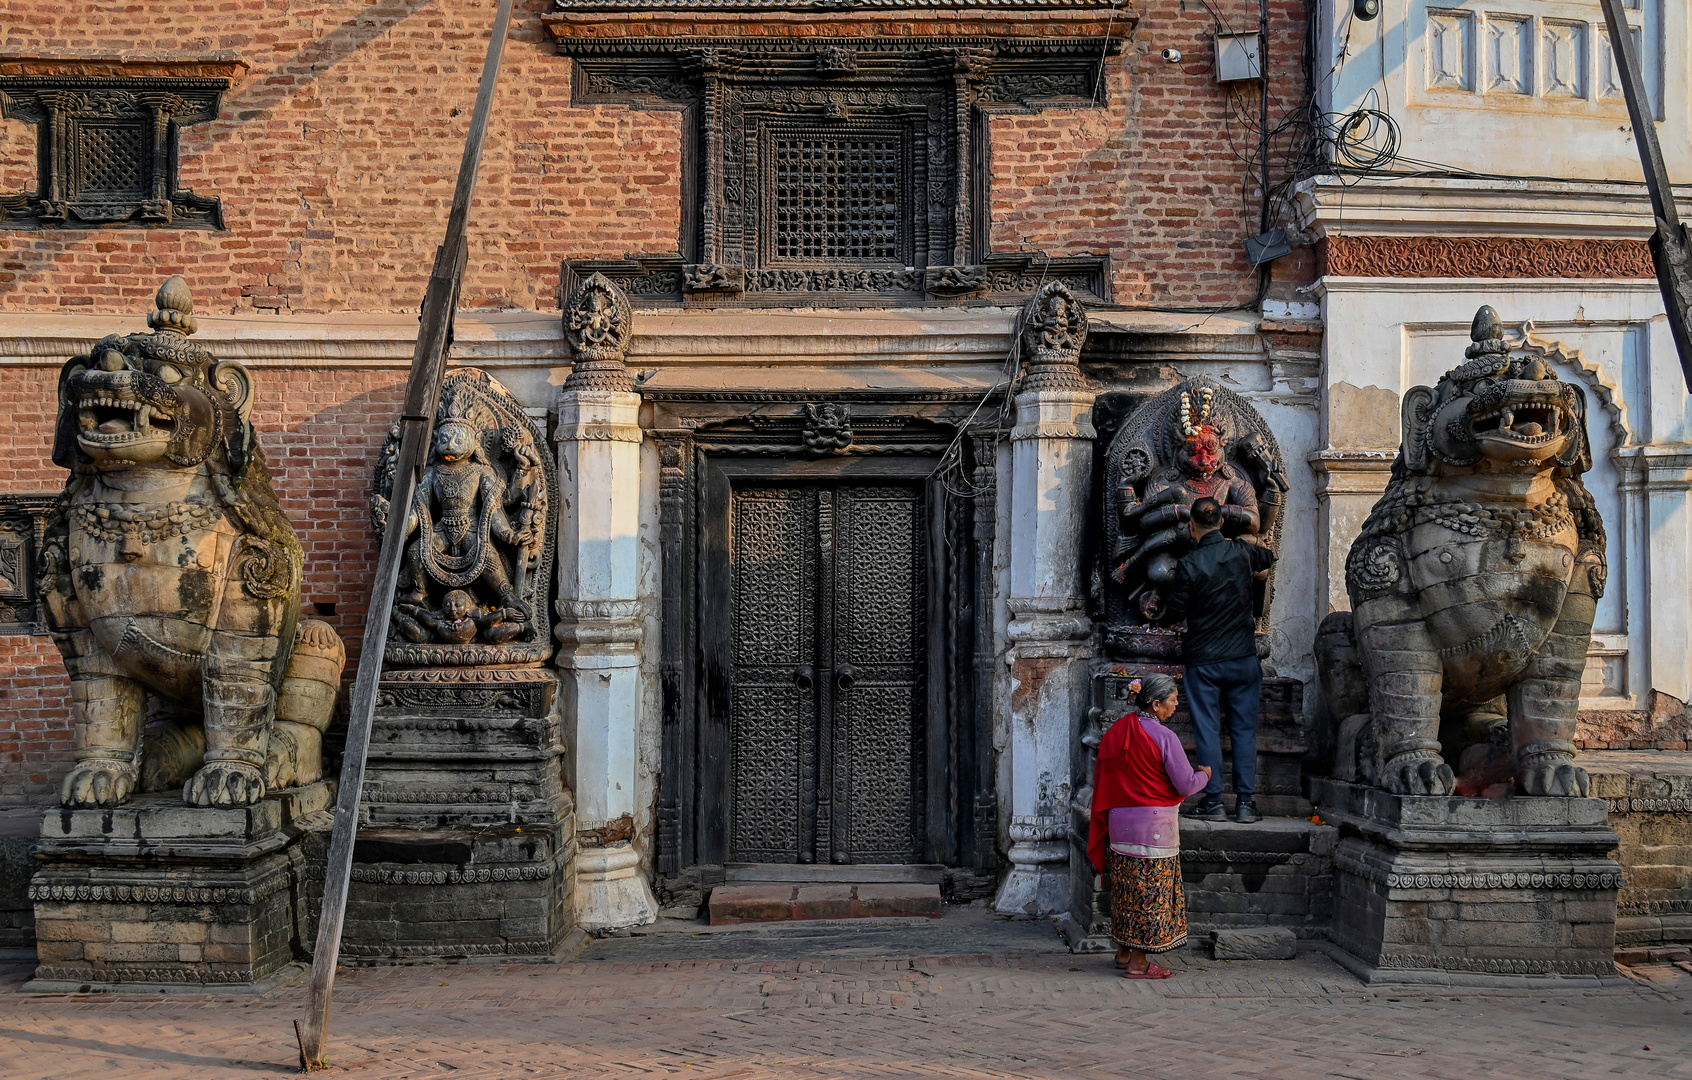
pixel 335 154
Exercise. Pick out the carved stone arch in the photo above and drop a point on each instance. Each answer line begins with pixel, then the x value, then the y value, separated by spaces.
pixel 1607 390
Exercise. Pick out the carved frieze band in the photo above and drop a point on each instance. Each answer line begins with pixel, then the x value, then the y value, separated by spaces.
pixel 1480 879
pixel 153 894
pixel 126 973
pixel 379 876
pixel 535 947
pixel 666 279
pixel 1650 806
pixel 1493 965
pixel 1483 257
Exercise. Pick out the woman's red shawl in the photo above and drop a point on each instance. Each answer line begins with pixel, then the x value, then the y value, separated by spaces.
pixel 1130 773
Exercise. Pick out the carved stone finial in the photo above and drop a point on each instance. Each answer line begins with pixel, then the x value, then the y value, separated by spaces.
pixel 1054 327
pixel 1487 333
pixel 175 306
pixel 598 322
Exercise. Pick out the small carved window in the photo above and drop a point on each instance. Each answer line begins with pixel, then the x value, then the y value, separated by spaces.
pixel 107 150
pixel 840 197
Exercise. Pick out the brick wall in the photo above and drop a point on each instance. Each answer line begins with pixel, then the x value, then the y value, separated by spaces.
pixel 335 157
pixel 336 153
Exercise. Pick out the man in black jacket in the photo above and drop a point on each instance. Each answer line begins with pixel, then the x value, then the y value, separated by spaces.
pixel 1213 593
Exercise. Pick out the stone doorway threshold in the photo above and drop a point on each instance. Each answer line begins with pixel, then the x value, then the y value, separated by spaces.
pixel 781 892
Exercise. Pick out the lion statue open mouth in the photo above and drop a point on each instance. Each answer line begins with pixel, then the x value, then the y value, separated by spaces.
pixel 1473 588
pixel 172 580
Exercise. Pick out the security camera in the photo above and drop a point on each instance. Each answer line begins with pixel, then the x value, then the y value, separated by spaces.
pixel 1365 9
pixel 1174 55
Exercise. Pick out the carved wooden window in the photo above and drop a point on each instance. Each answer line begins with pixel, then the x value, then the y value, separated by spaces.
pixel 106 151
pixel 23 519
pixel 839 195
pixel 840 168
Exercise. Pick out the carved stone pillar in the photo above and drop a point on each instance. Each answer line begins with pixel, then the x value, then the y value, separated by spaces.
pixel 1050 648
pixel 599 627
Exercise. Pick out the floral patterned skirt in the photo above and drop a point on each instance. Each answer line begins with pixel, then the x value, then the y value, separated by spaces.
pixel 1148 905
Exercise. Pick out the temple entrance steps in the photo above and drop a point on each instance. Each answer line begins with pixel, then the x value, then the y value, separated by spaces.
pixel 782 892
pixel 1277 872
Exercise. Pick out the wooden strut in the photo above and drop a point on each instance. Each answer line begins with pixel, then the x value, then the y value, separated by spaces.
pixel 422 397
pixel 1671 250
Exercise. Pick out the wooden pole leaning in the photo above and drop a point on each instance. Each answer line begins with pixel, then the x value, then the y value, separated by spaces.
pixel 422 397
pixel 1671 249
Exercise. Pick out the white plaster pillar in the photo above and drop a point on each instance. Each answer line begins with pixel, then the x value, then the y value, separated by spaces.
pixel 599 628
pixel 1050 650
pixel 1348 484
pixel 1668 577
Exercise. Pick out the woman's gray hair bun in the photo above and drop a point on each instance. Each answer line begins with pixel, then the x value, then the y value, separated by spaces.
pixel 1154 688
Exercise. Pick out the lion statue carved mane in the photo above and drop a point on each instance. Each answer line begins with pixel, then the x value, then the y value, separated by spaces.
pixel 1473 585
pixel 171 580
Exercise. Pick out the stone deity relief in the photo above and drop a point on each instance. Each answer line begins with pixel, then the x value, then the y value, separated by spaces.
pixel 1196 440
pixel 171 580
pixel 475 582
pixel 1473 586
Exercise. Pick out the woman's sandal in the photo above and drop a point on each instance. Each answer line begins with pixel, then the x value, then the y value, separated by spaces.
pixel 1152 971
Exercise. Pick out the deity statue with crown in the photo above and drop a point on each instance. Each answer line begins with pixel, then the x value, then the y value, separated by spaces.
pixel 473 585
pixel 1197 440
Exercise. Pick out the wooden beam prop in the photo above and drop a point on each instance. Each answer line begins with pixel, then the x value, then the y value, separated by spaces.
pixel 422 396
pixel 1671 250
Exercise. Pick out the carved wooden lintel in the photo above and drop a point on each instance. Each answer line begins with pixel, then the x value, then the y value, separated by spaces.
pixel 665 280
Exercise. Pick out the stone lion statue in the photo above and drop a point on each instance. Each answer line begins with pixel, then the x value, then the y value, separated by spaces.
pixel 1473 588
pixel 171 580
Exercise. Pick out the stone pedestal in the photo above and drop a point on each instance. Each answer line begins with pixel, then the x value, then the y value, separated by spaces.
pixel 466 829
pixel 1459 890
pixel 156 895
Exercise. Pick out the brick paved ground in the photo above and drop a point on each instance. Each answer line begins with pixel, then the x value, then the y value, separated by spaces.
pixel 966 996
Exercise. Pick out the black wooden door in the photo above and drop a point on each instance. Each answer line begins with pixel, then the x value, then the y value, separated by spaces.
pixel 827 685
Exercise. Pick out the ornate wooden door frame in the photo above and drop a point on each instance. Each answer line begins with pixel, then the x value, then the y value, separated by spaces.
pixel 707 440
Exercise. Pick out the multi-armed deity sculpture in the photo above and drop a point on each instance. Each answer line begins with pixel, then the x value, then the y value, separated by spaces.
pixel 474 585
pixel 1196 440
pixel 1473 587
pixel 172 580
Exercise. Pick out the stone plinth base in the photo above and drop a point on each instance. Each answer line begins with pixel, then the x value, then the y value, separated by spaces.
pixel 19 827
pixel 156 894
pixel 1649 793
pixel 1460 890
pixel 467 832
pixel 452 894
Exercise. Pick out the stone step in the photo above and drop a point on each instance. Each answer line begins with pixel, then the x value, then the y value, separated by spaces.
pixel 826 874
pixel 785 902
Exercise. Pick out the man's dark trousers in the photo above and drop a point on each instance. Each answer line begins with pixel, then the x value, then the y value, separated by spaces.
pixel 1229 690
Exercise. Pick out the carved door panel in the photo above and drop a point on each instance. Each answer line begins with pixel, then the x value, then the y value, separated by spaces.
pixel 827 705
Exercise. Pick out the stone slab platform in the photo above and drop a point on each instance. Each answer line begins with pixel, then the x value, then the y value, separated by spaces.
pixel 782 903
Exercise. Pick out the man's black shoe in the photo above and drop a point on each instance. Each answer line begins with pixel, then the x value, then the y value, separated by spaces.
pixel 1209 811
pixel 1246 812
